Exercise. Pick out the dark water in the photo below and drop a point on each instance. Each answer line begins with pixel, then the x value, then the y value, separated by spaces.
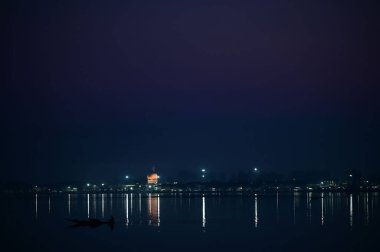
pixel 183 222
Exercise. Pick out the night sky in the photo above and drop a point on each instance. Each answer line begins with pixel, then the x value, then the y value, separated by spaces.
pixel 94 90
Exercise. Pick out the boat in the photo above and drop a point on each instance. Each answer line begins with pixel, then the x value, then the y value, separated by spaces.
pixel 92 223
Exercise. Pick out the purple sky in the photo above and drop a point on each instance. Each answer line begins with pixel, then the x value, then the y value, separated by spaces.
pixel 97 90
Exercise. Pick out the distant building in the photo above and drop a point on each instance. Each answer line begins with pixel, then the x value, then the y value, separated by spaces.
pixel 152 178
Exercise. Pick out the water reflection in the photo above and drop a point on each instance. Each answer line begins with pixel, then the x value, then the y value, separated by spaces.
pixel 203 212
pixel 102 205
pixel 366 209
pixel 372 202
pixel 308 200
pixel 111 202
pixel 158 210
pixel 322 210
pixel 36 205
pixel 146 221
pixel 294 208
pixel 180 200
pixel 277 210
pixel 140 204
pixel 331 203
pixel 131 203
pixel 149 205
pixel 126 210
pixel 351 211
pixel 69 203
pixel 94 204
pixel 88 205
pixel 358 209
pixel 256 216
pixel 153 210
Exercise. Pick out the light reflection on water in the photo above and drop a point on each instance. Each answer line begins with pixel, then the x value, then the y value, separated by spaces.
pixel 203 212
pixel 126 210
pixel 68 203
pixel 88 205
pixel 154 210
pixel 102 205
pixel 36 203
pixel 351 211
pixel 322 210
pixel 256 212
pixel 360 208
pixel 296 220
pixel 94 204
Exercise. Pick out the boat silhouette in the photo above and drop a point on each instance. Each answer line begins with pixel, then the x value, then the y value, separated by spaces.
pixel 91 223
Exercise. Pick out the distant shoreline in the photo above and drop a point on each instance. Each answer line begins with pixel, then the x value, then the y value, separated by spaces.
pixel 190 194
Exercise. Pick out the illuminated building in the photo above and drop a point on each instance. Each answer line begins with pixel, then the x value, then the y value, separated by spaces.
pixel 153 177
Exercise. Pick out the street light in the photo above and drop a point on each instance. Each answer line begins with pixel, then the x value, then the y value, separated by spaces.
pixel 88 184
pixel 255 177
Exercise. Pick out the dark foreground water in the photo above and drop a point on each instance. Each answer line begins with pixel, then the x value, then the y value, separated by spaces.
pixel 183 222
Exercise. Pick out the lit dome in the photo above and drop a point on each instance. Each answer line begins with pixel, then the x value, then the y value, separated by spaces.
pixel 152 178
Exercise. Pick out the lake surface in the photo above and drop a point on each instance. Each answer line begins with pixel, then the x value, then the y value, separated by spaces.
pixel 186 222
